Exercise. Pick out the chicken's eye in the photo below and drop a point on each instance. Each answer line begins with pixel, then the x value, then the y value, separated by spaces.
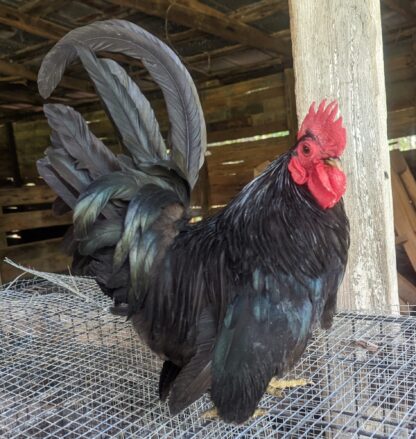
pixel 306 149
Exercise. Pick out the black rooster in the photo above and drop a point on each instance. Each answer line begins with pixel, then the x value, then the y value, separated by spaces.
pixel 228 302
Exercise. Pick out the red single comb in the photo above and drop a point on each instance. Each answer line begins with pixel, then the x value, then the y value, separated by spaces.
pixel 322 124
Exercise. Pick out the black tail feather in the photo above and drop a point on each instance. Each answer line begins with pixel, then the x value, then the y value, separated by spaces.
pixel 167 376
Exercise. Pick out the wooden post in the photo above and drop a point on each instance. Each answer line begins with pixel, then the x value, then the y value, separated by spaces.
pixel 290 101
pixel 338 53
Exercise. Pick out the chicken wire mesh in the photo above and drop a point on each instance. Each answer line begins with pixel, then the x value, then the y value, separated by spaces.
pixel 70 369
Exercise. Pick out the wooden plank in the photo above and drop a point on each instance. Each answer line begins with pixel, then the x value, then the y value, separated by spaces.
pixel 43 255
pixel 7 68
pixel 402 123
pixel 398 64
pixel 257 151
pixel 39 194
pixel 240 132
pixel 31 24
pixel 401 239
pixel 25 252
pixel 407 291
pixel 11 149
pixel 410 185
pixel 401 167
pixel 402 7
pixel 19 94
pixel 401 94
pixel 259 10
pixel 324 68
pixel 397 161
pixel 243 88
pixel 6 164
pixel 246 14
pixel 406 207
pixel 40 7
pixel 397 33
pixel 31 5
pixel 202 17
pixel 402 222
pixel 231 166
pixel 32 220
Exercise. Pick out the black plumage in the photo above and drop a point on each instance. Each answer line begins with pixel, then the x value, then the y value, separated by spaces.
pixel 228 302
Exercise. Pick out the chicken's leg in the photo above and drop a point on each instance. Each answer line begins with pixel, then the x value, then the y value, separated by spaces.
pixel 276 386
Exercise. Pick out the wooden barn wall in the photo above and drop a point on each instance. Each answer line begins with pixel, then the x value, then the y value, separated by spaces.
pixel 6 165
pixel 235 112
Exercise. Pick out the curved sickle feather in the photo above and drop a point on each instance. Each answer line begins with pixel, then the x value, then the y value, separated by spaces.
pixel 148 120
pixel 188 132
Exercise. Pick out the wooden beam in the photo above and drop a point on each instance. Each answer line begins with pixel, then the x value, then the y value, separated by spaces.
pixel 199 16
pixel 32 220
pixel 39 194
pixel 246 14
pixel 259 10
pixel 7 68
pixel 29 52
pixel 45 28
pixel 36 26
pixel 403 219
pixel 402 7
pixel 324 68
pixel 33 25
pixel 395 35
pixel 12 112
pixel 407 290
pixel 31 6
pixel 40 7
pixel 12 153
pixel 11 146
pixel 19 95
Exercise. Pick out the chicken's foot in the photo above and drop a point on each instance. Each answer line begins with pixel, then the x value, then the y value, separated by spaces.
pixel 276 386
pixel 212 414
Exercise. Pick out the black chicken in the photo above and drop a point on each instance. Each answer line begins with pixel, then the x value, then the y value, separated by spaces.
pixel 228 302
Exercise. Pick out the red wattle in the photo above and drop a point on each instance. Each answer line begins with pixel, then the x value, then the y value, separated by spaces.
pixel 327 184
pixel 297 171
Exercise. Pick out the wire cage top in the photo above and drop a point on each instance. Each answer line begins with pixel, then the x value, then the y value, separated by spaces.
pixel 70 369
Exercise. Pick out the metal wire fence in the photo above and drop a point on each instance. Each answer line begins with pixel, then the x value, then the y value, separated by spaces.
pixel 70 369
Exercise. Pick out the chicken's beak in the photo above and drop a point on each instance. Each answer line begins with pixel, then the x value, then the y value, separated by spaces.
pixel 335 162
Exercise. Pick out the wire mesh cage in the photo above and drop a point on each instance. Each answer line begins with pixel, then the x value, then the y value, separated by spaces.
pixel 70 369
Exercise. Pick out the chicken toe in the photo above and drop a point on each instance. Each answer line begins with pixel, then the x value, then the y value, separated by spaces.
pixel 212 414
pixel 276 386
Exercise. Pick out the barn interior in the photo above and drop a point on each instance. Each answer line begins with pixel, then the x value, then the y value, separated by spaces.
pixel 69 367
pixel 239 54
